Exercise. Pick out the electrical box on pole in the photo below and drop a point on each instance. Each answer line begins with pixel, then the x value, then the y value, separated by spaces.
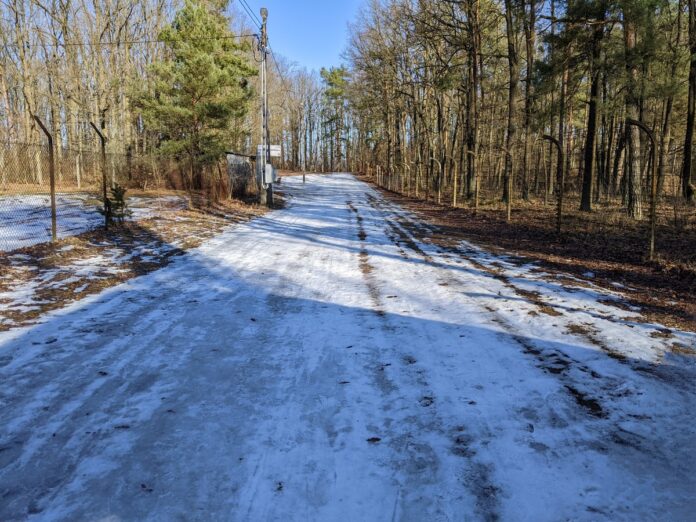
pixel 269 176
pixel 266 173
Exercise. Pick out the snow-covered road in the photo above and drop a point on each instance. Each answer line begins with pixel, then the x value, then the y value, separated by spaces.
pixel 325 362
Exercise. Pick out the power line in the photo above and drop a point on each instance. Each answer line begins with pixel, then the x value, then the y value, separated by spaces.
pixel 255 19
pixel 275 61
pixel 253 13
pixel 250 13
pixel 129 42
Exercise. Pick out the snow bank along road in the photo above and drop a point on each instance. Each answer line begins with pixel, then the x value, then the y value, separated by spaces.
pixel 327 363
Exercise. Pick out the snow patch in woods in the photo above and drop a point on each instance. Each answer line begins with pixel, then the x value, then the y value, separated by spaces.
pixel 25 220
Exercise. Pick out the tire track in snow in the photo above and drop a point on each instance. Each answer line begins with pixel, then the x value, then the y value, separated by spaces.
pixel 477 475
pixel 364 258
pixel 605 407
pixel 554 362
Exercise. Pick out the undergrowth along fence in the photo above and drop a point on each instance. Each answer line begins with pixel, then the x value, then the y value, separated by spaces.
pixel 40 202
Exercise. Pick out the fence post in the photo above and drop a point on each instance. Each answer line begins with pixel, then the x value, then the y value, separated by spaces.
pixel 78 168
pixel 408 179
pixel 439 179
pixel 454 182
pixel 129 162
pixel 107 203
pixel 52 177
pixel 3 170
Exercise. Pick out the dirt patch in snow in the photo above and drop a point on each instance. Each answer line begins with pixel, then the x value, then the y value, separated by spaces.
pixel 366 267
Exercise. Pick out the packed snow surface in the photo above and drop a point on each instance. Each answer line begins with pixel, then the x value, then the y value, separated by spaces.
pixel 25 220
pixel 328 362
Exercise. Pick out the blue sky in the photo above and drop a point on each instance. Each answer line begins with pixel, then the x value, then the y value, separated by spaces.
pixel 312 33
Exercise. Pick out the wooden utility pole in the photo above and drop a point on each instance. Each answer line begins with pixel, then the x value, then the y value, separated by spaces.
pixel 265 189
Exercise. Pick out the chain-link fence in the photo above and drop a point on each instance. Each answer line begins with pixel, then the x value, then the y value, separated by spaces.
pixel 38 203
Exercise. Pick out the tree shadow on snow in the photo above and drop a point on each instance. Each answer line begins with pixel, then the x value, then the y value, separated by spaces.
pixel 165 396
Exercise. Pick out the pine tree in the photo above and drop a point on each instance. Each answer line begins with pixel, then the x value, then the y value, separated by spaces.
pixel 200 89
pixel 119 205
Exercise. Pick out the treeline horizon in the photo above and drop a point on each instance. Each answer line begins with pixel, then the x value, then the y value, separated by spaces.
pixel 444 99
pixel 451 93
pixel 117 64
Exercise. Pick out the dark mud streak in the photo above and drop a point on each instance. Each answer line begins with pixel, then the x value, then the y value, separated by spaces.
pixel 477 477
pixel 591 405
pixel 404 240
pixel 531 297
pixel 396 234
pixel 478 480
pixel 366 267
pixel 557 363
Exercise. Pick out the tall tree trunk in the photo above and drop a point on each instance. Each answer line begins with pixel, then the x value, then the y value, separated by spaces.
pixel 589 164
pixel 560 178
pixel 472 99
pixel 530 43
pixel 687 187
pixel 634 203
pixel 513 69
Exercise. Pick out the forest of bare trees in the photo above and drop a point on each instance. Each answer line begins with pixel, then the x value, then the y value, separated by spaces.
pixel 448 98
pixel 585 106
pixel 73 63
pixel 464 102
pixel 468 102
